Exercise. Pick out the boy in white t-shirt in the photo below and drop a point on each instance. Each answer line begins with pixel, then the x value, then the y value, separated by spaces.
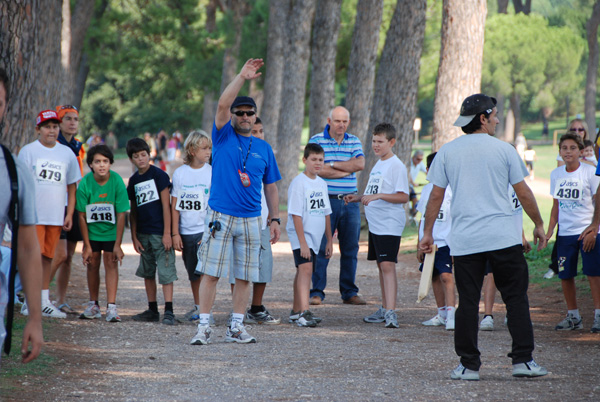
pixel 189 197
pixel 573 187
pixel 386 191
pixel 308 220
pixel 442 281
pixel 56 173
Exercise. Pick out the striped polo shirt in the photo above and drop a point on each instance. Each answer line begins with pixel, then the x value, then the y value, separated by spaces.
pixel 334 152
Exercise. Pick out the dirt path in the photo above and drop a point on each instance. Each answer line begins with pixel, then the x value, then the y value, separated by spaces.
pixel 342 360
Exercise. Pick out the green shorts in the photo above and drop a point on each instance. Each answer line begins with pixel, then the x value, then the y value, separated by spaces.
pixel 155 257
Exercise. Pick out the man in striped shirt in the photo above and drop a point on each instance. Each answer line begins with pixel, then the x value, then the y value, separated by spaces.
pixel 343 158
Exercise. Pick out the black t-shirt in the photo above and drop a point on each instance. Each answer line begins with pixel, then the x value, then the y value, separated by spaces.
pixel 144 194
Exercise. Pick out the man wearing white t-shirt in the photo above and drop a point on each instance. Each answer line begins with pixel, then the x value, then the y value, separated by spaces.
pixel 479 169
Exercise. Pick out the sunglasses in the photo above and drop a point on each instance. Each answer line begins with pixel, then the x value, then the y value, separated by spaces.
pixel 240 113
pixel 63 107
pixel 579 129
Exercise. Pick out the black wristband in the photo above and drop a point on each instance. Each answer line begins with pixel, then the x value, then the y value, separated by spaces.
pixel 276 220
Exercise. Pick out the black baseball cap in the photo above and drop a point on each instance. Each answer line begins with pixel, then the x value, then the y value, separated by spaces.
pixel 472 106
pixel 243 101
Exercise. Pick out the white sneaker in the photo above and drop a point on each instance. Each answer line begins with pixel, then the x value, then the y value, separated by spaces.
pixel 487 324
pixel 450 324
pixel 50 310
pixel 529 369
pixel 112 315
pixel 24 309
pixel 436 321
pixel 463 373
pixel 91 312
pixel 202 337
pixel 237 333
pixel 549 275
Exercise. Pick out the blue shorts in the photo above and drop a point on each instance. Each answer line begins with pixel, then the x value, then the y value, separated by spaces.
pixel 567 253
pixel 442 263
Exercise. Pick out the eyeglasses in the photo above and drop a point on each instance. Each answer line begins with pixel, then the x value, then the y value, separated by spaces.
pixel 63 107
pixel 240 113
pixel 579 129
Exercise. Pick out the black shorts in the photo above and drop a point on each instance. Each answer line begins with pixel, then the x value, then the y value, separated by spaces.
pixel 299 260
pixel 74 234
pixel 106 246
pixel 383 248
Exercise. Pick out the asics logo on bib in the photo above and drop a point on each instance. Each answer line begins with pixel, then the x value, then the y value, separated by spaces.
pixel 316 194
pixel 190 195
pixel 50 165
pixel 142 188
pixel 568 184
pixel 102 208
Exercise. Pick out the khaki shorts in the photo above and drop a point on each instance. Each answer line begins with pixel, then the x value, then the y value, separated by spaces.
pixel 155 257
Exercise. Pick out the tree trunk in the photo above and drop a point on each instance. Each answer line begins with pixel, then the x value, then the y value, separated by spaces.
pixel 324 50
pixel 500 129
pixel 291 119
pixel 502 6
pixel 239 9
pixel 274 67
pixel 592 70
pixel 461 59
pixel 515 106
pixel 522 7
pixel 361 67
pixel 30 54
pixel 397 80
pixel 209 112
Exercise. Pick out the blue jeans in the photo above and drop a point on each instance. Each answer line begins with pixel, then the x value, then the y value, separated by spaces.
pixel 346 219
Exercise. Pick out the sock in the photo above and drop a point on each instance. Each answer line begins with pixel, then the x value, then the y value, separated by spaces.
pixel 239 318
pixel 450 311
pixel 257 309
pixel 153 306
pixel 597 314
pixel 110 305
pixel 169 306
pixel 45 296
pixel 574 313
pixel 204 319
pixel 197 306
pixel 442 312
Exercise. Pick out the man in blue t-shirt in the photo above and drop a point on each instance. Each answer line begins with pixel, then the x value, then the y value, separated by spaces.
pixel 241 165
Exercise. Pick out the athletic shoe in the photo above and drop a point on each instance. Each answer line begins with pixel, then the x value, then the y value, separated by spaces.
pixel 487 324
pixel 168 318
pixel 50 310
pixel 193 315
pixel 391 319
pixel 569 324
pixel 463 373
pixel 530 369
pixel 450 324
pixel 262 317
pixel 596 326
pixel 112 315
pixel 549 275
pixel 91 311
pixel 306 319
pixel 237 333
pixel 147 316
pixel 202 337
pixel 24 309
pixel 294 315
pixel 436 321
pixel 378 316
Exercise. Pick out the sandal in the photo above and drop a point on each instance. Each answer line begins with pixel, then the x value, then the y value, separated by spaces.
pixel 65 308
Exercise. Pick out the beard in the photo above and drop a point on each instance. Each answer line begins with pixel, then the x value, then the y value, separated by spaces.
pixel 241 130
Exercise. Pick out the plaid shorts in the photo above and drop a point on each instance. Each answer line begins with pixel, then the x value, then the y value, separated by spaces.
pixel 237 244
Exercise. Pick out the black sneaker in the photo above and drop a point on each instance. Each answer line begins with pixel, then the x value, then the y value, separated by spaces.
pixel 147 316
pixel 168 318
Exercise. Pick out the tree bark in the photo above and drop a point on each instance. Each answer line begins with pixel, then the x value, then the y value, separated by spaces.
pixel 502 6
pixel 361 67
pixel 209 111
pixel 239 9
pixel 522 7
pixel 500 129
pixel 397 80
pixel 515 106
pixel 30 54
pixel 291 119
pixel 592 70
pixel 461 59
pixel 324 51
pixel 274 67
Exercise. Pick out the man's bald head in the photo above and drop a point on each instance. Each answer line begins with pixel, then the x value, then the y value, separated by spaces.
pixel 338 120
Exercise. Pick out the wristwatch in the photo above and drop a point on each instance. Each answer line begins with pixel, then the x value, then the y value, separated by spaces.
pixel 331 163
pixel 276 220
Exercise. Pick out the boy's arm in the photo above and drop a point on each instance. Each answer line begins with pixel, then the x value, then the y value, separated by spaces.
pixel 87 248
pixel 165 198
pixel 176 236
pixel 436 197
pixel 68 223
pixel 396 198
pixel 30 269
pixel 529 204
pixel 526 245
pixel 117 251
pixel 592 229
pixel 133 225
pixel 329 246
pixel 272 197
pixel 553 219
pixel 420 254
pixel 299 228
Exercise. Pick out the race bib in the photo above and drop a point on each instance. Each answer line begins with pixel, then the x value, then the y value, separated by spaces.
pixel 515 204
pixel 568 190
pixel 95 213
pixel 50 172
pixel 146 192
pixel 190 201
pixel 441 215
pixel 315 202
pixel 374 184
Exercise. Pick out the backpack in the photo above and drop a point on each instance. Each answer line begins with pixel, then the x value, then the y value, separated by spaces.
pixel 13 215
